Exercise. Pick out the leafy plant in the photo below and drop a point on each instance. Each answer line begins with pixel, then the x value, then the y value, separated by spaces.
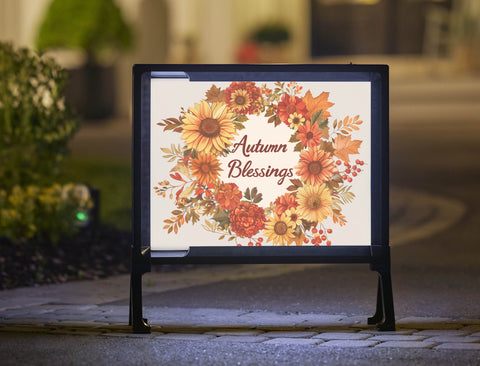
pixel 35 122
pixel 95 26
pixel 271 33
pixel 46 214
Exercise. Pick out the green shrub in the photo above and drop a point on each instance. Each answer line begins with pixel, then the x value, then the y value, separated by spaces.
pixel 44 214
pixel 95 26
pixel 35 123
pixel 35 127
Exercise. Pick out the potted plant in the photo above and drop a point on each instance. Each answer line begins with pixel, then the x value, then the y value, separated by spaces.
pixel 272 40
pixel 98 28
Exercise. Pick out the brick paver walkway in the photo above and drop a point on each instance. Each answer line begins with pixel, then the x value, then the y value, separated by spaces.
pixel 226 325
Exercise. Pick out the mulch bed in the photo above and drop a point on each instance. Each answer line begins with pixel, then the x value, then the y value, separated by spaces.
pixel 94 253
pixel 91 254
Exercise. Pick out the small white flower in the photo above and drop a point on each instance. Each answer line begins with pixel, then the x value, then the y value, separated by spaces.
pixel 47 100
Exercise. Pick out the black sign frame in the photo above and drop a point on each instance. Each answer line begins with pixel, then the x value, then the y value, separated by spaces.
pixel 377 254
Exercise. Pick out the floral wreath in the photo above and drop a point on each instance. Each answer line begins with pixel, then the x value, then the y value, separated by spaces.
pixel 324 171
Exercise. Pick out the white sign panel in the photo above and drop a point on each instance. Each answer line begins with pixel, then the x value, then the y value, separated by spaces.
pixel 259 163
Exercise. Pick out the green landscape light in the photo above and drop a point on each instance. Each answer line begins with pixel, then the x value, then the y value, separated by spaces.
pixel 82 216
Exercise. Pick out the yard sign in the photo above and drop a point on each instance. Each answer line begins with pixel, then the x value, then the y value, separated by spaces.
pixel 261 164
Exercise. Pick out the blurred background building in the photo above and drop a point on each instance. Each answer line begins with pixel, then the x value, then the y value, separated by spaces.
pixel 296 31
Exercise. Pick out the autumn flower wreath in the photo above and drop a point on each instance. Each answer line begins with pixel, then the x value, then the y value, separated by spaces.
pixel 323 173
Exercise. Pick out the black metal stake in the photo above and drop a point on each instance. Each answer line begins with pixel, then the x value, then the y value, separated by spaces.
pixel 384 315
pixel 136 319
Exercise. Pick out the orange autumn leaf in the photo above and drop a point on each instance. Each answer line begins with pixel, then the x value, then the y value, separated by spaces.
pixel 344 146
pixel 317 103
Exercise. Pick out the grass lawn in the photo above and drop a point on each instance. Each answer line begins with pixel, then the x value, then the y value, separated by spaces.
pixel 114 180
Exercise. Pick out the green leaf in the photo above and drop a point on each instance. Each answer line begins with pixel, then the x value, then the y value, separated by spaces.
pixel 317 116
pixel 241 118
pixel 238 126
pixel 222 218
pixel 323 123
pixel 293 138
pixel 298 147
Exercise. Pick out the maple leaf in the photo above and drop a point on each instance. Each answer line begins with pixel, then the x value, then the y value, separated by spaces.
pixel 344 146
pixel 215 95
pixel 318 103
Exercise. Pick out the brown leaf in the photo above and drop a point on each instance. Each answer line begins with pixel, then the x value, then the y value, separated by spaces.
pixel 344 146
pixel 296 182
pixel 215 95
pixel 317 103
pixel 325 133
pixel 327 147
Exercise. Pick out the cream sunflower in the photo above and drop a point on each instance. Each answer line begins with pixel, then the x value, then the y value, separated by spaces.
pixel 293 215
pixel 314 202
pixel 279 230
pixel 208 129
pixel 295 120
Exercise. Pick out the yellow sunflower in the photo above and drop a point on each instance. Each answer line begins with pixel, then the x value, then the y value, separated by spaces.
pixel 208 128
pixel 205 168
pixel 314 202
pixel 293 215
pixel 279 230
pixel 240 101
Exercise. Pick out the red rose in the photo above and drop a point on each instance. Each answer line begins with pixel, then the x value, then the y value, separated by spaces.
pixel 228 196
pixel 247 219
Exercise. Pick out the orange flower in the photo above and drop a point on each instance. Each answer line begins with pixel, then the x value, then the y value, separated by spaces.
pixel 284 203
pixel 247 219
pixel 314 202
pixel 205 168
pixel 309 134
pixel 228 196
pixel 208 128
pixel 289 105
pixel 316 166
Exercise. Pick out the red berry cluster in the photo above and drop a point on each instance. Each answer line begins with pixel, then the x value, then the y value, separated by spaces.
pixel 319 237
pixel 251 243
pixel 350 171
